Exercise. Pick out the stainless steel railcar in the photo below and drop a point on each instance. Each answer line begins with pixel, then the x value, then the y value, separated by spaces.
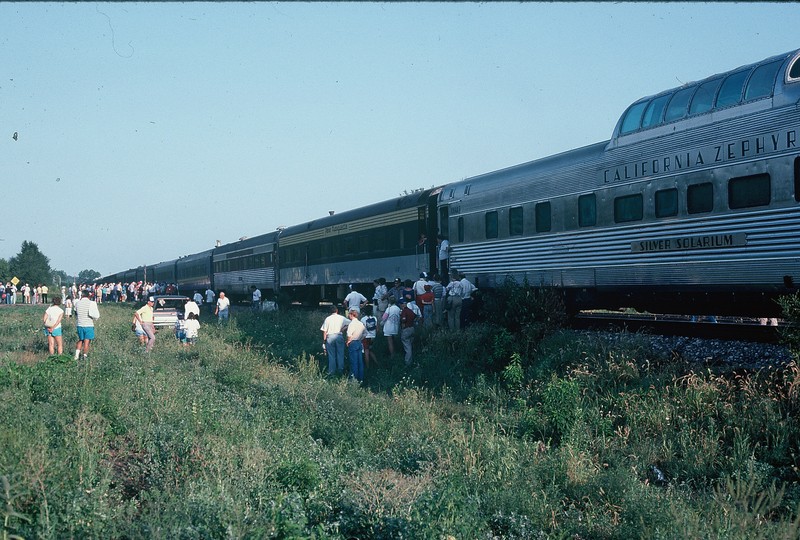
pixel 240 265
pixel 693 205
pixel 394 238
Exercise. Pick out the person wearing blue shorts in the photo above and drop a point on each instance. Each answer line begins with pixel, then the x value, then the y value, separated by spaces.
pixel 52 326
pixel 86 313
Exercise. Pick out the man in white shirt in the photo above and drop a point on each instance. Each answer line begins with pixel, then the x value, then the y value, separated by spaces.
pixel 209 296
pixel 256 297
pixel 354 299
pixel 86 313
pixel 444 255
pixel 190 307
pixel 223 307
pixel 355 333
pixel 333 341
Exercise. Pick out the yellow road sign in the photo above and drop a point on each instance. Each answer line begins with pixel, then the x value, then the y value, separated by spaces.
pixel 14 281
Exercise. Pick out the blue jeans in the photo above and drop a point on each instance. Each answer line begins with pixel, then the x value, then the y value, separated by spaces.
pixel 356 353
pixel 223 315
pixel 335 346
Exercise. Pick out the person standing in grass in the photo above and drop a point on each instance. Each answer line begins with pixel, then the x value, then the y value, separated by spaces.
pixel 391 323
pixel 191 328
pixel 144 315
pixel 355 349
pixel 370 323
pixel 223 307
pixel 333 341
pixel 86 313
pixel 52 326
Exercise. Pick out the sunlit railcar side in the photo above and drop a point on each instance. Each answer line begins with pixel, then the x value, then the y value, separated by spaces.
pixel 393 238
pixel 693 205
pixel 246 263
pixel 194 273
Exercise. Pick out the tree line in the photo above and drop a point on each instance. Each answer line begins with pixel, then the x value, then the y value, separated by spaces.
pixel 30 265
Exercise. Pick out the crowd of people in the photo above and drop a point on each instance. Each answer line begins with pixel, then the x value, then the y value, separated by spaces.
pixel 396 311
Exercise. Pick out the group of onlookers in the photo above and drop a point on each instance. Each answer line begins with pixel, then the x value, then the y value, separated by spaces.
pixel 396 310
pixel 30 295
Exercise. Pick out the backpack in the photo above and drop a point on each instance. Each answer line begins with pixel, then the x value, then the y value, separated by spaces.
pixel 371 324
pixel 407 317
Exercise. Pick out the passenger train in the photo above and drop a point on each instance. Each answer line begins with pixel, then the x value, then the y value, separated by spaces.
pixel 692 206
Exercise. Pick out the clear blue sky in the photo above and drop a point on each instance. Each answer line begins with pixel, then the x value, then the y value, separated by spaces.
pixel 148 131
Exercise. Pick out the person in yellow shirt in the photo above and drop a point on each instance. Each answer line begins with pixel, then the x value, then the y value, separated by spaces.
pixel 145 317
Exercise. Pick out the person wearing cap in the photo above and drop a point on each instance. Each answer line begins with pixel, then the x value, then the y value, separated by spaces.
pixel 355 333
pixel 144 316
pixel 86 313
pixel 419 285
pixel 354 299
pixel 397 289
pixel 333 341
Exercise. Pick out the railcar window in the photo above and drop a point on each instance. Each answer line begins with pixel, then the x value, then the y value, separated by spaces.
pixel 349 244
pixel 628 208
pixel 654 111
pixel 633 118
pixel 797 179
pixel 587 210
pixel 461 229
pixel 794 69
pixel 666 201
pixel 749 191
pixel 730 93
pixel 491 224
pixel 679 104
pixel 543 217
pixel 444 223
pixel 703 99
pixel 700 198
pixel 515 221
pixel 363 243
pixel 762 81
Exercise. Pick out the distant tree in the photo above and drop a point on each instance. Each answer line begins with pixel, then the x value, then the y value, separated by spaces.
pixel 30 265
pixel 61 278
pixel 4 272
pixel 87 276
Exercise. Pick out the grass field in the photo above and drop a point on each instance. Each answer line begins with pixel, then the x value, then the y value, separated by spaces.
pixel 488 435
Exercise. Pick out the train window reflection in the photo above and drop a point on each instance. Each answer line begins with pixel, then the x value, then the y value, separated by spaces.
pixel 679 104
pixel 515 221
pixel 794 70
pixel 491 224
pixel 730 93
pixel 628 208
pixel 749 191
pixel 654 111
pixel 666 201
pixel 587 210
pixel 633 118
pixel 703 99
pixel 700 198
pixel 762 81
pixel 543 217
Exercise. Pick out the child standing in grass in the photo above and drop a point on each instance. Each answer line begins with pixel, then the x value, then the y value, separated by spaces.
pixel 190 329
pixel 52 326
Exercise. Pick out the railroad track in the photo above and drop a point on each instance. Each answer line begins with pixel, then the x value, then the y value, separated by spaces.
pixel 726 328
